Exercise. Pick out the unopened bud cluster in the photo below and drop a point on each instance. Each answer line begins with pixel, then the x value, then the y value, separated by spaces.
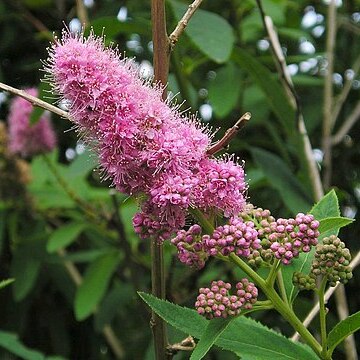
pixel 283 239
pixel 304 282
pixel 191 248
pixel 332 259
pixel 236 237
pixel 217 300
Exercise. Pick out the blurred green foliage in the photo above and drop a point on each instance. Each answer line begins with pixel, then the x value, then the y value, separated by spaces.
pixel 77 268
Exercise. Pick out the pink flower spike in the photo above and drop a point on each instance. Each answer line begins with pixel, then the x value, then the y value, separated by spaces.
pixel 26 139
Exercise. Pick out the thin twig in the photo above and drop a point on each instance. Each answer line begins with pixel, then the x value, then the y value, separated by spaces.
pixel 82 13
pixel 107 331
pixel 229 135
pixel 188 344
pixel 35 101
pixel 347 125
pixel 182 24
pixel 328 94
pixel 345 92
pixel 294 101
pixel 314 311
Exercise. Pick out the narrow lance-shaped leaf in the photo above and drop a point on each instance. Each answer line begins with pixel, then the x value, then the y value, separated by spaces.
pixel 274 92
pixel 95 283
pixel 242 336
pixel 64 236
pixel 342 330
pixel 212 332
pixel 11 343
pixel 282 179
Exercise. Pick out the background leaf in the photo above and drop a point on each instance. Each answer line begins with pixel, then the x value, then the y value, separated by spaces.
pixel 223 97
pixel 64 236
pixel 274 92
pixel 283 180
pixel 11 343
pixel 95 283
pixel 212 34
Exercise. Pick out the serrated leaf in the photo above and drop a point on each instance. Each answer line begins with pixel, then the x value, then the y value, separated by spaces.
pixel 64 236
pixel 327 207
pixel 209 32
pixel 6 282
pixel 334 223
pixel 223 97
pixel 11 343
pixel 282 179
pixel 213 330
pixel 342 330
pixel 274 92
pixel 244 336
pixel 95 283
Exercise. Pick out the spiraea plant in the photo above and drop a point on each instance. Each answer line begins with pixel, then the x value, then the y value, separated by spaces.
pixel 150 150
pixel 187 193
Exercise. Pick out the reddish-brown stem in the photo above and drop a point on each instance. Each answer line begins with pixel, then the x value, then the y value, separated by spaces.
pixel 161 69
pixel 229 135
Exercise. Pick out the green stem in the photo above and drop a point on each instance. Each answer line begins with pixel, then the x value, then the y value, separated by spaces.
pixel 279 305
pixel 204 222
pixel 158 326
pixel 272 274
pixel 280 283
pixel 322 313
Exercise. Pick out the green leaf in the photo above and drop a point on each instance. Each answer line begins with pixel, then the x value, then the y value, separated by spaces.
pixel 244 336
pixel 64 236
pixel 209 32
pixel 25 269
pixel 274 92
pixel 11 343
pixel 213 330
pixel 223 97
pixel 326 208
pixel 334 223
pixel 282 179
pixel 111 26
pixel 95 283
pixel 6 282
pixel 342 330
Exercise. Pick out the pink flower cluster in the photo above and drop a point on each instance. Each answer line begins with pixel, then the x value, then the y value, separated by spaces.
pixel 145 145
pixel 26 139
pixel 217 301
pixel 191 247
pixel 237 237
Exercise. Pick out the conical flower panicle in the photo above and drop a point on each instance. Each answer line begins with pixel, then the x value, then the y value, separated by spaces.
pixel 145 145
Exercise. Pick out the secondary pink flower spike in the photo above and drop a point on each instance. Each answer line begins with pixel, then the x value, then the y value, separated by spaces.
pixel 145 145
pixel 26 139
